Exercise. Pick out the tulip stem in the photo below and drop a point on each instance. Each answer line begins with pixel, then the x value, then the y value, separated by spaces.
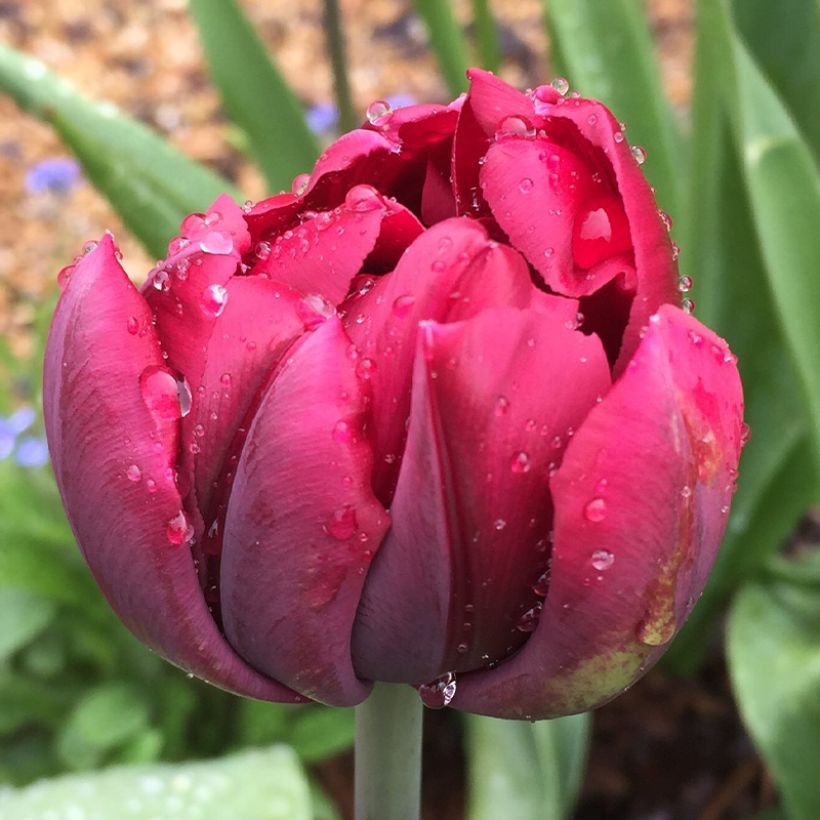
pixel 388 754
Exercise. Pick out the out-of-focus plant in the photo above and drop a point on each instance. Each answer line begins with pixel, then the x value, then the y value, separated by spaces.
pixel 740 181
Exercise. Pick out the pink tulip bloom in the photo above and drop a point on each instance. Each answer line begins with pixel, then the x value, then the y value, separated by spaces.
pixel 435 417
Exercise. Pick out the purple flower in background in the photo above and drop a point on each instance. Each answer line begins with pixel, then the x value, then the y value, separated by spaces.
pixel 21 419
pixel 322 118
pixel 400 100
pixel 56 175
pixel 32 452
pixel 7 439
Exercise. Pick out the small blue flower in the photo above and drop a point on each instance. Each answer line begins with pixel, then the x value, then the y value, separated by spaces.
pixel 20 420
pixel 322 118
pixel 7 439
pixel 400 100
pixel 56 175
pixel 31 452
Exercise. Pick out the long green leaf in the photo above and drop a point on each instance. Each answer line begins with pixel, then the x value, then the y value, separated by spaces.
pixel 523 771
pixel 783 183
pixel 774 662
pixel 486 35
pixel 254 92
pixel 606 51
pixel 259 785
pixel 447 42
pixel 150 184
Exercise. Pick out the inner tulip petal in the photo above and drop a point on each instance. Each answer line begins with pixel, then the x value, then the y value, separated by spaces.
pixel 634 537
pixel 114 451
pixel 452 585
pixel 303 524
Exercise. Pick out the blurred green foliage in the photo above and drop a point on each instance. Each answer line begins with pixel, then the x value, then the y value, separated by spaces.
pixel 741 180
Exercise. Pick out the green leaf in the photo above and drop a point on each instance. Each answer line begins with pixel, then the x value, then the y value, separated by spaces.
pixel 606 51
pixel 774 662
pixel 106 717
pixel 317 732
pixel 447 42
pixel 783 184
pixel 23 617
pixel 254 93
pixel 486 35
pixel 258 785
pixel 150 184
pixel 523 771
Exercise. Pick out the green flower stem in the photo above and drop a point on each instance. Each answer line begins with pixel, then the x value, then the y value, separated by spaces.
pixel 338 59
pixel 388 754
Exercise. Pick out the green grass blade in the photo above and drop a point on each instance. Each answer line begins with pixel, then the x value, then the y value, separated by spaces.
pixel 486 35
pixel 254 93
pixel 606 52
pixel 150 184
pixel 447 42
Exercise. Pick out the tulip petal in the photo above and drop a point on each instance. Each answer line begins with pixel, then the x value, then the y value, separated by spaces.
pixel 451 272
pixel 495 399
pixel 113 460
pixel 325 252
pixel 640 506
pixel 303 524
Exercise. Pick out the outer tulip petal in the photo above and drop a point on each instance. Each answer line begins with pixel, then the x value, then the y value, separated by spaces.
pixel 451 272
pixel 640 507
pixel 303 524
pixel 113 460
pixel 328 249
pixel 495 399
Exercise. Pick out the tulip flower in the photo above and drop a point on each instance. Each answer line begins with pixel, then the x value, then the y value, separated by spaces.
pixel 435 417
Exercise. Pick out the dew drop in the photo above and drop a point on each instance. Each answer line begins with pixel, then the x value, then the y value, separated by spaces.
pixel 342 432
pixel 499 524
pixel 342 524
pixel 526 185
pixel 213 300
pixel 502 406
pixel 561 85
pixel 520 462
pixel 638 153
pixel 379 112
pixel 216 242
pixel 688 305
pixel 529 620
pixel 133 325
pixel 262 251
pixel 314 309
pixel 514 126
pixel 685 284
pixel 403 305
pixel 745 434
pixel 542 585
pixel 133 473
pixel 362 198
pixel 595 510
pixel 300 184
pixel 179 529
pixel 165 395
pixel 602 560
pixel 365 368
pixel 438 693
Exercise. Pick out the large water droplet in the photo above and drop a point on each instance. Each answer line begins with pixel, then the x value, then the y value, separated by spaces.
pixel 403 305
pixel 342 523
pixel 214 298
pixel 179 529
pixel 561 85
pixel 379 112
pixel 526 185
pixel 133 325
pixel 314 309
pixel 216 242
pixel 133 473
pixel 300 184
pixel 602 560
pixel 438 693
pixel 361 198
pixel 529 620
pixel 638 153
pixel 595 510
pixel 514 126
pixel 165 395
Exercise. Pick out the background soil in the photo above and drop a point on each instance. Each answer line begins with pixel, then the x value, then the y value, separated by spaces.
pixel 668 749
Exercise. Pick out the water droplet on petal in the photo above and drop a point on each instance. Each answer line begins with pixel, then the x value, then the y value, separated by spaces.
pixel 688 305
pixel 542 585
pixel 365 368
pixel 514 126
pixel 526 185
pixel 502 406
pixel 342 524
pixel 133 325
pixel 342 431
pixel 165 395
pixel 438 693
pixel 685 284
pixel 262 250
pixel 499 524
pixel 745 433
pixel 379 112
pixel 602 560
pixel 638 153
pixel 361 198
pixel 595 510
pixel 529 620
pixel 403 305
pixel 314 309
pixel 216 242
pixel 214 298
pixel 520 462
pixel 300 184
pixel 133 473
pixel 179 529
pixel 561 85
